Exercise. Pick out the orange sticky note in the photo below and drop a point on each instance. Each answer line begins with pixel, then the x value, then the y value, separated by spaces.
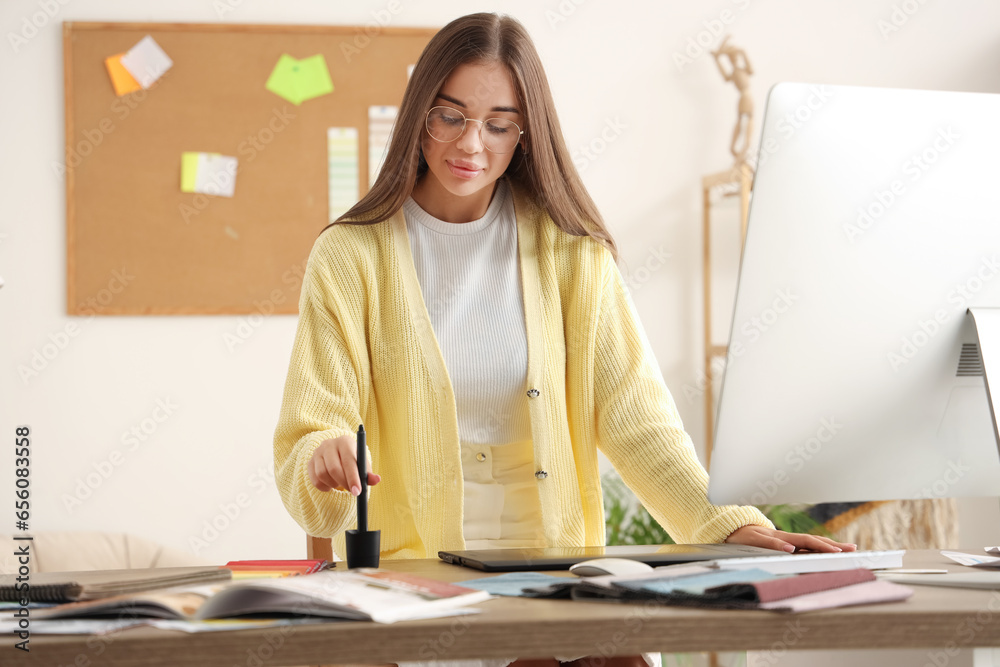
pixel 120 77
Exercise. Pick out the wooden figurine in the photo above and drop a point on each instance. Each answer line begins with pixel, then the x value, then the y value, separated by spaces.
pixel 739 73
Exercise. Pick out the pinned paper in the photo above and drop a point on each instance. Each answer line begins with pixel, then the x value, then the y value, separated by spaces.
pixel 208 173
pixel 122 81
pixel 189 171
pixel 300 80
pixel 380 121
pixel 342 153
pixel 146 61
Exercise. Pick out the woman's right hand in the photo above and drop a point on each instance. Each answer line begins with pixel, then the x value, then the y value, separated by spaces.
pixel 334 465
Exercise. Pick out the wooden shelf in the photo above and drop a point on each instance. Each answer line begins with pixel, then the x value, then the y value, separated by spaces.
pixel 735 181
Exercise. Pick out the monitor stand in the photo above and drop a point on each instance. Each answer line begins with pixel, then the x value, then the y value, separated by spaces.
pixel 987 323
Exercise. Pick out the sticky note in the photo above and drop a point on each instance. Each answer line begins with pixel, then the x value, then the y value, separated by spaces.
pixel 189 171
pixel 123 82
pixel 300 80
pixel 208 173
pixel 146 61
pixel 342 169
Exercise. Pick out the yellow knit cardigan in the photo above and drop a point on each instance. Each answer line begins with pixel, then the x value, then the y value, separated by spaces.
pixel 365 352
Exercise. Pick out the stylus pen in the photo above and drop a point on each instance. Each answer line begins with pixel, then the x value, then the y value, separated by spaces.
pixel 363 474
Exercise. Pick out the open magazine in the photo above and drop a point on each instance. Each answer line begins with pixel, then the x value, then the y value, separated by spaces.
pixel 363 595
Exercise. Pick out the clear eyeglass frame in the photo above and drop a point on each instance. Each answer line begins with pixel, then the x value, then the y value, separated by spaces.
pixel 482 125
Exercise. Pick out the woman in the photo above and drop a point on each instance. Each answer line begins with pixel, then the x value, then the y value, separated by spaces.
pixel 468 310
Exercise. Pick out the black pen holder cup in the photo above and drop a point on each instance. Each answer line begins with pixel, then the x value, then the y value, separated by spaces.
pixel 362 548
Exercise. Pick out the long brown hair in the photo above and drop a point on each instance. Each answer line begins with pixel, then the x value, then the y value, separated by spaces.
pixel 542 166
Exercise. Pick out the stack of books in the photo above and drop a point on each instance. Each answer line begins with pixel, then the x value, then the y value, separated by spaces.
pixel 279 590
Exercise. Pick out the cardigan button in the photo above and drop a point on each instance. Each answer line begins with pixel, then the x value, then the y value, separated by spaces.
pixel 532 393
pixel 541 474
pixel 480 457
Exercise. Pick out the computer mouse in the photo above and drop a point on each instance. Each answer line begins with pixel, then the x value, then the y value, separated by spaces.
pixel 616 566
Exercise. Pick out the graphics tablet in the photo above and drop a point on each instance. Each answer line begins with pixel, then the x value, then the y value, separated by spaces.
pixel 561 558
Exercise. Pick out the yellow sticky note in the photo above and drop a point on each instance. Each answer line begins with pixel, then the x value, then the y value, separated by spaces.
pixel 314 77
pixel 300 80
pixel 189 171
pixel 123 82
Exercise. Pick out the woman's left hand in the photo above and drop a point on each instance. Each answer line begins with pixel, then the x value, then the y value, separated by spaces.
pixel 769 538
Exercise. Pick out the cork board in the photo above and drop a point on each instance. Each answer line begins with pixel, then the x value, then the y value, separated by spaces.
pixel 138 245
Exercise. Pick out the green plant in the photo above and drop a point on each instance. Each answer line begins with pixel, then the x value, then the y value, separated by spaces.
pixel 793 519
pixel 628 522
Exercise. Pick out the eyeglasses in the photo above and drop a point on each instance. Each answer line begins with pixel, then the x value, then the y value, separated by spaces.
pixel 498 135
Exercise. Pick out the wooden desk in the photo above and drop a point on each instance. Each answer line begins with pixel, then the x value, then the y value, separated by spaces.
pixel 932 618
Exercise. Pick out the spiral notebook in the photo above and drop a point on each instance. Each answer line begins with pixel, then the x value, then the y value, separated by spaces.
pixel 96 584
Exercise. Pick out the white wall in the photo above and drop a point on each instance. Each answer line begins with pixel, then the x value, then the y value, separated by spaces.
pixel 611 65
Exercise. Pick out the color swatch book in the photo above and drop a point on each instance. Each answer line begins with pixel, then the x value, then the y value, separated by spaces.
pixel 250 569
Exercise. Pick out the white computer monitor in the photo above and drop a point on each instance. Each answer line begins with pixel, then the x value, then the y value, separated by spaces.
pixel 854 370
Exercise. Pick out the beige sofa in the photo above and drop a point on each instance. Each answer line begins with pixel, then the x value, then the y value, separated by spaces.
pixel 67 551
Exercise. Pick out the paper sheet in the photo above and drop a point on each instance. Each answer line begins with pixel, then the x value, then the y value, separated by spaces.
pixel 342 169
pixel 972 560
pixel 514 583
pixel 72 626
pixel 380 121
pixel 123 82
pixel 208 173
pixel 979 579
pixel 697 583
pixel 300 80
pixel 870 592
pixel 146 61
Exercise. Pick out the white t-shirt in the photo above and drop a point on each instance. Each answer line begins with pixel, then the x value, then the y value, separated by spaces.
pixel 470 280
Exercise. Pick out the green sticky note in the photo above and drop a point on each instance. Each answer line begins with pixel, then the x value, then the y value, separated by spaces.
pixel 314 78
pixel 300 80
pixel 189 171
